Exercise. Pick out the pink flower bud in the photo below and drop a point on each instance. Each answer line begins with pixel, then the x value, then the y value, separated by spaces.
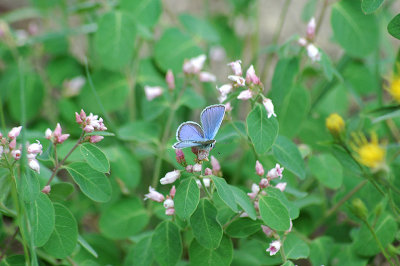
pixel 16 154
pixel 73 87
pixel 170 211
pixel 216 167
pixel 263 183
pixel 269 107
pixel 202 154
pixel 78 118
pixel 154 195
pixel 313 53
pixel 172 192
pixel 34 165
pixel 206 180
pixel 170 177
pixel 14 132
pixel 251 77
pixel 311 29
pixel 245 95
pixel 95 139
pixel 46 189
pixel 267 231
pixel 275 172
pixel 236 67
pixel 244 214
pixel 255 189
pixel 238 81
pixel 194 65
pixel 180 156
pixel 259 168
pixel 207 77
pixel 88 128
pixel 225 89
pixel 290 227
pixel 228 107
pixel 35 148
pixel 281 186
pixel 12 144
pixel 197 167
pixel 302 42
pixel 207 171
pixel 48 133
pixel 62 138
pixel 274 247
pixel 168 203
pixel 1 135
pixel 169 78
pixel 58 131
pixel 152 92
pixel 189 168
pixel 83 115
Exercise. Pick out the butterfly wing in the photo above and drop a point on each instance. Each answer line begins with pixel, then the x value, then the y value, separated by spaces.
pixel 189 131
pixel 211 119
pixel 185 144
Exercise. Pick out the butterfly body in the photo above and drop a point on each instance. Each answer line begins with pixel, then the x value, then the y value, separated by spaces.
pixel 191 134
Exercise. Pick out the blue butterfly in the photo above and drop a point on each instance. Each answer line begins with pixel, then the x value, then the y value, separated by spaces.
pixel 191 134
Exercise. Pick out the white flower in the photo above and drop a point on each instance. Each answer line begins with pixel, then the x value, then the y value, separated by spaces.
pixel 154 195
pixel 251 76
pixel 313 52
pixel 48 133
pixel 254 191
pixel 237 80
pixel 245 95
pixel 236 67
pixel 225 89
pixel 170 177
pixel 281 186
pixel 275 172
pixel 194 65
pixel 34 165
pixel 168 203
pixel 14 132
pixel 207 77
pixel 152 92
pixel 16 154
pixel 274 247
pixel 197 167
pixel 206 181
pixel 269 106
pixel 35 148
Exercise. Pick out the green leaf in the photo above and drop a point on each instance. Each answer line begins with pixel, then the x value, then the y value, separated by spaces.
pixel 173 48
pixel 385 229
pixel 293 210
pixel 124 218
pixel 244 202
pixel 167 244
pixel 285 71
pixel 293 111
pixel 327 66
pixel 200 256
pixel 288 263
pixel 95 157
pixel 100 133
pixel 61 191
pixel 370 6
pixel 192 99
pixel 274 213
pixel 115 39
pixel 207 230
pixel 28 185
pixel 146 12
pixel 243 227
pixel 357 33
pixel 320 250
pixel 93 184
pixel 65 235
pixel 327 170
pixel 287 154
pixel 186 198
pixel 87 246
pixel 141 254
pixel 13 260
pixel 295 248
pixel 141 131
pixel 199 28
pixel 42 218
pixel 394 27
pixel 225 192
pixel 261 129
pixel 47 155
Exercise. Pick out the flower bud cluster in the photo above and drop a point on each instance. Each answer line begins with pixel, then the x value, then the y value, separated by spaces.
pixel 194 66
pixel 168 201
pixel 56 136
pixel 91 123
pixel 312 51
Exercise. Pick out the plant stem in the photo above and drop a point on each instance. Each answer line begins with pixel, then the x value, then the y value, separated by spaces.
pixel 58 165
pixel 275 39
pixel 8 242
pixel 378 242
pixel 132 78
pixel 321 16
pixel 283 250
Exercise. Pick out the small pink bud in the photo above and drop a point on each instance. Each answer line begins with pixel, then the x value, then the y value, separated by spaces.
pixel 189 168
pixel 34 165
pixel 154 195
pixel 58 131
pixel 170 177
pixel 207 171
pixel 95 139
pixel 263 183
pixel 48 133
pixel 259 168
pixel 216 167
pixel 225 89
pixel 245 95
pixel 290 227
pixel 269 107
pixel 35 148
pixel 244 214
pixel 197 167
pixel 311 29
pixel 88 128
pixel 238 81
pixel 180 156
pixel 16 154
pixel 152 92
pixel 251 77
pixel 236 67
pixel 12 144
pixel 82 114
pixel 78 118
pixel 172 192
pixel 72 87
pixel 62 138
pixel 207 77
pixel 168 203
pixel 267 231
pixel 302 42
pixel 206 180
pixel 228 107
pixel 46 189
pixel 274 247
pixel 194 65
pixel 169 78
pixel 255 189
pixel 281 186
pixel 14 132
pixel 275 172
pixel 1 135
pixel 170 211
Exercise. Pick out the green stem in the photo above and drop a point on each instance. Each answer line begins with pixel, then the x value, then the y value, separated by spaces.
pixel 283 250
pixel 3 121
pixel 321 16
pixel 132 78
pixel 378 242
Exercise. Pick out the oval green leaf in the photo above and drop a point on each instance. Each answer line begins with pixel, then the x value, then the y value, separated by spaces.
pixel 167 244
pixel 187 198
pixel 244 202
pixel 370 6
pixel 243 227
pixel 287 154
pixel 200 256
pixel 295 248
pixel 225 192
pixel 146 12
pixel 93 184
pixel 95 157
pixel 394 27
pixel 274 213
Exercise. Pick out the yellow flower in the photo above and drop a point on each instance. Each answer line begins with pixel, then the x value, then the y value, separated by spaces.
pixel 369 153
pixel 335 124
pixel 394 88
